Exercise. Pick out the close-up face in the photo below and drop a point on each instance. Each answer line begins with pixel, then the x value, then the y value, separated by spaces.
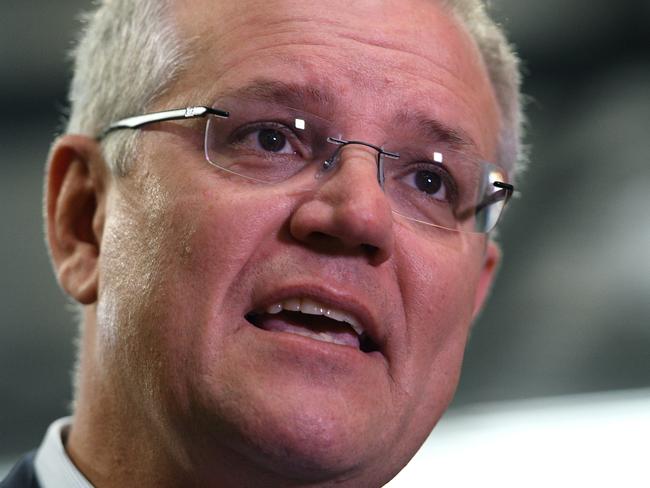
pixel 202 271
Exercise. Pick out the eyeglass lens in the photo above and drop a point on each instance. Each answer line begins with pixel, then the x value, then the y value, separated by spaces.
pixel 430 183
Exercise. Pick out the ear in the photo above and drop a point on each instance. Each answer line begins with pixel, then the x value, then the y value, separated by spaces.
pixel 488 273
pixel 75 200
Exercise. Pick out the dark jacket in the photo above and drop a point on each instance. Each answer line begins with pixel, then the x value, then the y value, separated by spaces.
pixel 23 474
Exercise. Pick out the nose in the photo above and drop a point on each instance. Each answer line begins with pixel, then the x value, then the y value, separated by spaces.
pixel 348 213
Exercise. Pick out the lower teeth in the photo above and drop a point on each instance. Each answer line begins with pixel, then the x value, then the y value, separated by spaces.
pixel 294 323
pixel 319 336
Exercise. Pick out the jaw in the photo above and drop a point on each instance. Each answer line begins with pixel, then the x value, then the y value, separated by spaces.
pixel 294 426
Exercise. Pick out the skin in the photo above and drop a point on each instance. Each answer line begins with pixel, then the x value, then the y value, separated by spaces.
pixel 168 260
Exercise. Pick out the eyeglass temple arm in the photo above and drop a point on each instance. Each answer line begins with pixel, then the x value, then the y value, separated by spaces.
pixel 177 114
pixel 504 194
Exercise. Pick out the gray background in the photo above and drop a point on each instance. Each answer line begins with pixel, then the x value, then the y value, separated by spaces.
pixel 571 311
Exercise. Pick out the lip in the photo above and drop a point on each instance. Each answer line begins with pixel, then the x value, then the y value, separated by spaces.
pixel 332 297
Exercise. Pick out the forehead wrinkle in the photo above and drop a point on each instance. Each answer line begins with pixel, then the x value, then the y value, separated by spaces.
pixel 374 61
pixel 434 130
pixel 293 94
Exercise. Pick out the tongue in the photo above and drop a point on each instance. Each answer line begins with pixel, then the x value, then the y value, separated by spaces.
pixel 315 327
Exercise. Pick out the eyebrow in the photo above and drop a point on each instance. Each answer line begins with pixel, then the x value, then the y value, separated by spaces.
pixel 321 100
pixel 433 129
pixel 295 95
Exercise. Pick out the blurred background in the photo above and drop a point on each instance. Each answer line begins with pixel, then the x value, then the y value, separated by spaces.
pixel 568 327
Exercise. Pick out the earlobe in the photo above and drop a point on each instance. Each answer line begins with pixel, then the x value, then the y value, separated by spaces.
pixel 491 262
pixel 76 186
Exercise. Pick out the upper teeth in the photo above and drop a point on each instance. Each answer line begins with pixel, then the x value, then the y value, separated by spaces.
pixel 311 307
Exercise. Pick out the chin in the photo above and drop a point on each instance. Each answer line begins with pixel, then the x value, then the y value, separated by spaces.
pixel 307 440
pixel 313 449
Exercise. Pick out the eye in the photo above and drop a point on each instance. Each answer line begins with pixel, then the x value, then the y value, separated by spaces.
pixel 430 182
pixel 272 140
pixel 268 138
pixel 267 147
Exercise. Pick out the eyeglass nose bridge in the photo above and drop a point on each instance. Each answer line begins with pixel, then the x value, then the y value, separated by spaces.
pixel 330 163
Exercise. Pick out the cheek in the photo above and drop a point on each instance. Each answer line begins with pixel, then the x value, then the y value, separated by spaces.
pixel 439 282
pixel 130 296
pixel 443 280
pixel 210 236
pixel 230 226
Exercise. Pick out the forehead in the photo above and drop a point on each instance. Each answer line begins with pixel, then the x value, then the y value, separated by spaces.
pixel 375 56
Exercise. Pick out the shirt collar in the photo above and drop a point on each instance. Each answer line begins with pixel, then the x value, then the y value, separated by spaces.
pixel 54 469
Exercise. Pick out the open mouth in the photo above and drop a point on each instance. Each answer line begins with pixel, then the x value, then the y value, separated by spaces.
pixel 308 318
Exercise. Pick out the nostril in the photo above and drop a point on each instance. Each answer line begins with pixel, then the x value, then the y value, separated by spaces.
pixel 369 249
pixel 324 243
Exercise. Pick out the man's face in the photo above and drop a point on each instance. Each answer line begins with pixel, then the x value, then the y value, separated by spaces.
pixel 190 253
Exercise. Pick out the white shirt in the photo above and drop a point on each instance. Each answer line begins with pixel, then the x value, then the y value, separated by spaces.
pixel 54 469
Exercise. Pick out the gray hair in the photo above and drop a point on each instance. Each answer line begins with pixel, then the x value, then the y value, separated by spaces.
pixel 503 66
pixel 129 54
pixel 126 57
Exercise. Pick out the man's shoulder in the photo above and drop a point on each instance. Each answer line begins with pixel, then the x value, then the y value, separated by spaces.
pixel 23 474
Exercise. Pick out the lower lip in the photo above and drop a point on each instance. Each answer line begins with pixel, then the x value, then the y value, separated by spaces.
pixel 301 346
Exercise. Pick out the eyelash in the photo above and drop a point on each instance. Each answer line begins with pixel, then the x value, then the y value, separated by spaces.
pixel 241 133
pixel 447 179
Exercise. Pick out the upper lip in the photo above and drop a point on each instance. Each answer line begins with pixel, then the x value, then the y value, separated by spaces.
pixel 335 298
